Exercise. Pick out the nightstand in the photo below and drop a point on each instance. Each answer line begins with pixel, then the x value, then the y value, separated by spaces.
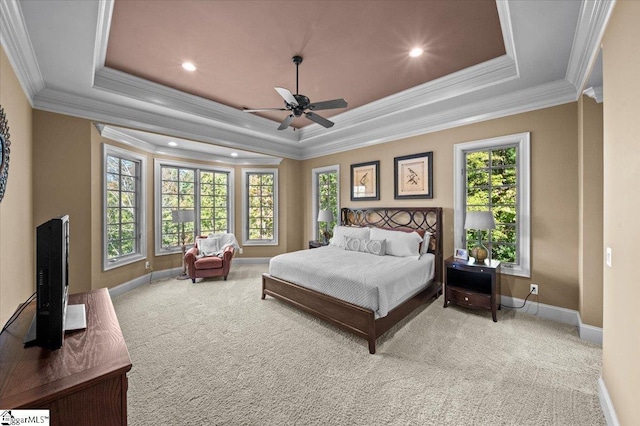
pixel 316 244
pixel 472 285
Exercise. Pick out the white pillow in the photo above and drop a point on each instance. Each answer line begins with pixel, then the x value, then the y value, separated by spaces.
pixel 399 243
pixel 208 246
pixel 339 232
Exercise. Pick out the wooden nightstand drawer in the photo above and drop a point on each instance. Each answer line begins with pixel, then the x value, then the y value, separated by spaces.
pixel 471 299
pixel 472 285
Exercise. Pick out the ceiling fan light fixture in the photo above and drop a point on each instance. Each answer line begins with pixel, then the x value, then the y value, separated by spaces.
pixel 415 52
pixel 189 66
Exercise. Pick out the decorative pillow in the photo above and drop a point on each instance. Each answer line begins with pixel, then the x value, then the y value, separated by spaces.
pixel 339 232
pixel 398 243
pixel 376 247
pixel 208 246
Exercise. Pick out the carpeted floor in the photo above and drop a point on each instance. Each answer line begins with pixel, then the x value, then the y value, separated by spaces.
pixel 215 353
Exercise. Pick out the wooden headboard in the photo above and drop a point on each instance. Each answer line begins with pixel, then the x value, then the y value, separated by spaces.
pixel 426 218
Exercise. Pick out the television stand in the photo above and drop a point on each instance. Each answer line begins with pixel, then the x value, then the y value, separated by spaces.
pixel 76 319
pixel 82 383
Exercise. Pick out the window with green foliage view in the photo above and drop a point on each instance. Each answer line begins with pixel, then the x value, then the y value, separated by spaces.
pixel 205 191
pixel 492 184
pixel 123 215
pixel 495 175
pixel 122 182
pixel 260 206
pixel 327 198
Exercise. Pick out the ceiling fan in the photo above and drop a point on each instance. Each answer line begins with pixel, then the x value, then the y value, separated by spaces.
pixel 299 104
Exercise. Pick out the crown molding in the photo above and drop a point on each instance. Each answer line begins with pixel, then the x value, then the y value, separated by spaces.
pixel 596 93
pixel 109 132
pixel 17 45
pixel 530 99
pixel 105 12
pixel 592 23
pixel 225 117
pixel 102 111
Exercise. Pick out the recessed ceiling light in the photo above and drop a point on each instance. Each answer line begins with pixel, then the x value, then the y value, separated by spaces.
pixel 172 143
pixel 234 154
pixel 188 66
pixel 415 52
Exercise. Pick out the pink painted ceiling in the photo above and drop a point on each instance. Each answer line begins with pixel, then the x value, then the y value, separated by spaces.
pixel 356 50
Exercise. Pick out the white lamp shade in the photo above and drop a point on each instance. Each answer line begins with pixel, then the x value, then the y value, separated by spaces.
pixel 325 216
pixel 479 220
pixel 182 216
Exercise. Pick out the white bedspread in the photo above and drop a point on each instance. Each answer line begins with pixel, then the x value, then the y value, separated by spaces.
pixel 379 283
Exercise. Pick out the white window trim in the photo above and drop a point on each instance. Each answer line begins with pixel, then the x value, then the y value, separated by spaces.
pixel 245 209
pixel 314 194
pixel 142 211
pixel 157 175
pixel 523 140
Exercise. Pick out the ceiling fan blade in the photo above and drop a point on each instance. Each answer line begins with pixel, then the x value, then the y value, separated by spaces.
pixel 319 119
pixel 285 123
pixel 264 109
pixel 335 103
pixel 287 96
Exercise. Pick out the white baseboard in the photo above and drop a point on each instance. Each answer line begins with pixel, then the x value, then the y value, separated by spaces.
pixel 606 404
pixel 589 332
pixel 144 279
pixel 251 260
pixel 555 313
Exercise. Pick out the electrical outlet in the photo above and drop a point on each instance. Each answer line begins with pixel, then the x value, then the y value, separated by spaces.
pixel 609 257
pixel 240 250
pixel 146 265
pixel 534 289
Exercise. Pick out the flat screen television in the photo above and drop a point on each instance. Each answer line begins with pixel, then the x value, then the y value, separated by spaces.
pixel 52 284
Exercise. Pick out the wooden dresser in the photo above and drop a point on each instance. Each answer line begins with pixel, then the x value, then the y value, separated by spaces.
pixel 82 383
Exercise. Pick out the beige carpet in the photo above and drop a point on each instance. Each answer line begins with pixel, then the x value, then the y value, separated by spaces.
pixel 215 353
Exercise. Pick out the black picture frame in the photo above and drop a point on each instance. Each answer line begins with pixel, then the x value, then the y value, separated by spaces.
pixel 4 152
pixel 413 176
pixel 365 181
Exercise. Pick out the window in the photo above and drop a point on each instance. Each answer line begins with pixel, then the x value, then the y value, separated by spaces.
pixel 206 191
pixel 494 175
pixel 123 207
pixel 260 206
pixel 326 196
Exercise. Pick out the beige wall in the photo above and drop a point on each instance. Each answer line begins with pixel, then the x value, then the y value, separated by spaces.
pixel 68 179
pixel 17 233
pixel 621 316
pixel 554 191
pixel 62 185
pixel 590 254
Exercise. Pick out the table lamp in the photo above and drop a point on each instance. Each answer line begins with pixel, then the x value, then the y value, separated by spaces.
pixel 479 221
pixel 181 217
pixel 325 216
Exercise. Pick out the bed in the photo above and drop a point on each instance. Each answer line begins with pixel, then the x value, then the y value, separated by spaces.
pixel 372 319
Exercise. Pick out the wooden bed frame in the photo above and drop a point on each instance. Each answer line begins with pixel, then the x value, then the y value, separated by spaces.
pixel 355 319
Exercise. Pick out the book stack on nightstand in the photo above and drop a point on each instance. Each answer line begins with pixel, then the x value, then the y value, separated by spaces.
pixel 473 285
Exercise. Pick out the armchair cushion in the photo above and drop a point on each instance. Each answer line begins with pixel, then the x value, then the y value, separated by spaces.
pixel 209 262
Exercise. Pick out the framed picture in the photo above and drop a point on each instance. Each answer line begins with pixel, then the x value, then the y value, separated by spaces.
pixel 365 181
pixel 413 176
pixel 461 254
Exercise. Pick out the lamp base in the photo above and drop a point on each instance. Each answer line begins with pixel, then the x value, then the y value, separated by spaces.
pixel 480 253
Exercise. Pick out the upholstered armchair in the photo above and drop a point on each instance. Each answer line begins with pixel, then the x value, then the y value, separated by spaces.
pixel 208 266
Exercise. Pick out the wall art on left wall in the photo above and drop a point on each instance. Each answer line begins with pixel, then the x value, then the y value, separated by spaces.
pixel 4 152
